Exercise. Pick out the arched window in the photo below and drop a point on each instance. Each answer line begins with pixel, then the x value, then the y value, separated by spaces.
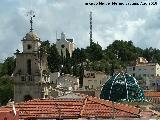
pixel 29 66
pixel 29 47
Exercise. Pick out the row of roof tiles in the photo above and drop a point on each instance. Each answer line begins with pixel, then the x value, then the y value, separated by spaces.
pixel 74 108
pixel 152 94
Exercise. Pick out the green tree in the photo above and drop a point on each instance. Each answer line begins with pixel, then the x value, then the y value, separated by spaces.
pixel 6 89
pixel 81 75
pixel 67 63
pixel 8 66
pixel 46 45
pixel 54 59
pixel 6 85
pixel 76 56
pixel 122 53
pixel 94 52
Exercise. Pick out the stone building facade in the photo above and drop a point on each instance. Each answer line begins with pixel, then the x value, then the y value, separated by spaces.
pixel 62 44
pixel 31 75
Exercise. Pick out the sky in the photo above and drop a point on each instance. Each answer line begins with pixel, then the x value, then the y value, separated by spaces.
pixel 138 23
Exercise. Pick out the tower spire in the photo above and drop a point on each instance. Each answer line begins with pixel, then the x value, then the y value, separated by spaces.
pixel 31 14
pixel 91 29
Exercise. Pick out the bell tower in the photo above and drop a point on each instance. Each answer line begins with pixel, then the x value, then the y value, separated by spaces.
pixel 31 70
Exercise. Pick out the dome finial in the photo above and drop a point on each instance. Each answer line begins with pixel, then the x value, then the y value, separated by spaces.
pixel 31 14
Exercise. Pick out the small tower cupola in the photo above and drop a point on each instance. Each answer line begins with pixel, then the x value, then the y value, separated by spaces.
pixel 31 43
pixel 63 36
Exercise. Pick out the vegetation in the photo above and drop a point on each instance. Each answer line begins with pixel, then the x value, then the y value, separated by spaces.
pixel 6 86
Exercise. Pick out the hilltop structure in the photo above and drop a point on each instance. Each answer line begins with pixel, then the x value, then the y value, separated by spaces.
pixel 64 44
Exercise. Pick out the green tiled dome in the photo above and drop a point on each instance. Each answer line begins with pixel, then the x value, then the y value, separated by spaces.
pixel 122 87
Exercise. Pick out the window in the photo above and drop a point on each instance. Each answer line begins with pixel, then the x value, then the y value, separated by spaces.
pixel 29 78
pixel 23 78
pixel 92 75
pixel 133 68
pixel 29 47
pixel 92 86
pixel 45 78
pixel 86 87
pixel 153 84
pixel 29 66
pixel 89 81
pixel 130 69
pixel 62 45
pixel 133 74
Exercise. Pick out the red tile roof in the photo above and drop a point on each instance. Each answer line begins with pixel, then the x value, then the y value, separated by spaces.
pixel 152 94
pixel 74 108
pixel 8 114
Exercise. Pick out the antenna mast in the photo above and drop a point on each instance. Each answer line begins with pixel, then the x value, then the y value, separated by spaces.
pixel 56 35
pixel 31 14
pixel 90 29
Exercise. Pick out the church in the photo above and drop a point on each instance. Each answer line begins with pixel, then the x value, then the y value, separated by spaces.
pixel 64 44
pixel 31 75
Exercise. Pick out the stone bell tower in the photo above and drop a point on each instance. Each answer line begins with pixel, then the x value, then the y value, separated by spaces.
pixel 31 70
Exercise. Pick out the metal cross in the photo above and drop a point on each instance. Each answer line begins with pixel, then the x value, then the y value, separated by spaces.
pixel 31 14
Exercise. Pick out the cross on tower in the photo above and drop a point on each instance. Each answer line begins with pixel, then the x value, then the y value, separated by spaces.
pixel 31 14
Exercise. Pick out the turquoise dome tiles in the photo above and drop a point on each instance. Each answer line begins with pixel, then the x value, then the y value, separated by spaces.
pixel 122 87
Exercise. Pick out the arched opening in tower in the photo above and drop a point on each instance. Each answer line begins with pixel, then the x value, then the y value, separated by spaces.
pixel 29 66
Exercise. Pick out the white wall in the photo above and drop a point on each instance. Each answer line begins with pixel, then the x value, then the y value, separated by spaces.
pixel 94 80
pixel 144 70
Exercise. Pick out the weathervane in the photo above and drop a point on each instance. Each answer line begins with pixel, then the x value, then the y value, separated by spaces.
pixel 31 14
